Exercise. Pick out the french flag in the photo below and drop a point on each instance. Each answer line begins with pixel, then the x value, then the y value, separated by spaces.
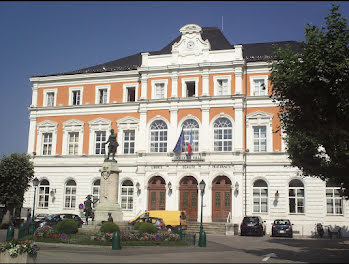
pixel 190 143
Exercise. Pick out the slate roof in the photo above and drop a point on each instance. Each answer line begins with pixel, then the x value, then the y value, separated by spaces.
pixel 251 52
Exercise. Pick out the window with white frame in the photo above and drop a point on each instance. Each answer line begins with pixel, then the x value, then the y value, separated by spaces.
pixel 44 194
pixel 296 197
pixel 260 197
pixel 223 134
pixel 190 87
pixel 100 139
pixel 191 126
pixel 158 136
pixel 334 199
pixel 131 94
pixel 159 89
pixel 260 138
pixel 127 195
pixel 73 146
pixel 259 85
pixel 96 192
pixel 47 144
pixel 259 128
pixel 103 96
pixel 70 194
pixel 76 97
pixel 222 85
pixel 129 141
pixel 50 99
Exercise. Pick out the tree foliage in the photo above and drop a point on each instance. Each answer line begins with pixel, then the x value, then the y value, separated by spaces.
pixel 16 172
pixel 312 90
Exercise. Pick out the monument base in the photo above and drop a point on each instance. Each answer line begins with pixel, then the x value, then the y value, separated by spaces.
pixel 102 210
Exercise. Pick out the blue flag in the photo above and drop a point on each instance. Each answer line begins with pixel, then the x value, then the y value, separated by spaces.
pixel 180 143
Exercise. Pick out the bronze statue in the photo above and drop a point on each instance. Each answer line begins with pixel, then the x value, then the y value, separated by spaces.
pixel 88 208
pixel 113 145
pixel 110 218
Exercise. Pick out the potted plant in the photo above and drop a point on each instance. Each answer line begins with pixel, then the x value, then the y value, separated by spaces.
pixel 17 251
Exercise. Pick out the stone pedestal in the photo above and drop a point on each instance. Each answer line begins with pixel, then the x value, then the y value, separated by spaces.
pixel 108 201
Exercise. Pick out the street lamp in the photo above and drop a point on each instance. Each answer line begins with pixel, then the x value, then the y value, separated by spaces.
pixel 202 235
pixel 35 184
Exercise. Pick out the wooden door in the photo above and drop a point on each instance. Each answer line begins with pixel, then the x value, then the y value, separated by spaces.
pixel 157 194
pixel 189 197
pixel 221 199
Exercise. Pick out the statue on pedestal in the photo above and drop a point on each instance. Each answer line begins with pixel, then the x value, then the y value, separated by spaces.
pixel 88 208
pixel 113 145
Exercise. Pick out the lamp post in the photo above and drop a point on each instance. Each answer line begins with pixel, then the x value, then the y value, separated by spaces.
pixel 35 184
pixel 202 235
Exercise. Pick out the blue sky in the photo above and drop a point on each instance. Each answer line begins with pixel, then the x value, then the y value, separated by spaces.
pixel 38 38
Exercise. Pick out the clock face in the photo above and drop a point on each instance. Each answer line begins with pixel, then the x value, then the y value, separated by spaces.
pixel 190 44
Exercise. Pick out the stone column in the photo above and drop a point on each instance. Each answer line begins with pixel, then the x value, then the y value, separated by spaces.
pixel 109 194
pixel 205 83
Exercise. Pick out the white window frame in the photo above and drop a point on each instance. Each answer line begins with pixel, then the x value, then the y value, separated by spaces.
pixel 99 124
pixel 125 91
pixel 72 126
pixel 129 142
pixel 224 128
pixel 102 87
pixel 71 90
pixel 153 88
pixel 70 195
pixel 184 86
pixel 127 195
pixel 259 138
pixel 167 135
pixel 186 131
pixel 100 142
pixel 46 91
pixel 45 194
pixel 259 118
pixel 260 197
pixel 215 84
pixel 127 123
pixel 296 198
pixel 252 86
pixel 333 198
pixel 46 126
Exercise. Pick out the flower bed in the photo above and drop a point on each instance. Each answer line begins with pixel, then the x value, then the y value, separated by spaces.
pixel 15 248
pixel 137 236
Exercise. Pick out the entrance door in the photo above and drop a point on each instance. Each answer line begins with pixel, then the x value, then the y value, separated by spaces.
pixel 157 193
pixel 189 197
pixel 221 198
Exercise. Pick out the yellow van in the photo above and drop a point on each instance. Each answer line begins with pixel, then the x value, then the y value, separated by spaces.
pixel 171 218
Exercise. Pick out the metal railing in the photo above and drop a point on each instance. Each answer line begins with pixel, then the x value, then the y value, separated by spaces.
pixel 185 157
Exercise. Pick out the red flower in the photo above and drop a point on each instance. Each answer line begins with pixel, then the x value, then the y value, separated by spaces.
pixel 99 238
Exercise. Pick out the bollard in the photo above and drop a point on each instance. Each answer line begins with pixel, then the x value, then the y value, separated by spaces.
pixel 116 244
pixel 10 233
pixel 21 231
pixel 180 233
pixel 202 239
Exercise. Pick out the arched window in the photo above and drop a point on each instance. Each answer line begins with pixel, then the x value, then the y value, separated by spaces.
pixel 296 197
pixel 70 194
pixel 44 192
pixel 223 134
pixel 158 136
pixel 190 125
pixel 96 191
pixel 127 195
pixel 260 197
pixel 334 198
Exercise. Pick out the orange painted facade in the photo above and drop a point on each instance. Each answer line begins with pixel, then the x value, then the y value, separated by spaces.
pixel 184 112
pixel 153 113
pixel 217 110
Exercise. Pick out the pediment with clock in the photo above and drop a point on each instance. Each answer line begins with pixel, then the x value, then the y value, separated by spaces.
pixel 191 43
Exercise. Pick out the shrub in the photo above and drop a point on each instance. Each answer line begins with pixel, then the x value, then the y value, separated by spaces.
pixel 68 226
pixel 145 227
pixel 109 227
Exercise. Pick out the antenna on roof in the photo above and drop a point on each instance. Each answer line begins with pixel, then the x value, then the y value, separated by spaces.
pixel 222 23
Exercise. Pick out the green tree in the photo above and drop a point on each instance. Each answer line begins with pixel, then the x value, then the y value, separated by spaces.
pixel 312 90
pixel 16 172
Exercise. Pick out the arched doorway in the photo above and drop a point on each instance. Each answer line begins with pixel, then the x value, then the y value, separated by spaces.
pixel 221 198
pixel 188 188
pixel 156 193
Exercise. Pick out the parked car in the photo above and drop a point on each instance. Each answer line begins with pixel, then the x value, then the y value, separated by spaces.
pixel 157 222
pixel 282 227
pixel 53 219
pixel 252 225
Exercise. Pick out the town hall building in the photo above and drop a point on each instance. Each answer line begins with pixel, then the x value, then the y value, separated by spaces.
pixel 217 94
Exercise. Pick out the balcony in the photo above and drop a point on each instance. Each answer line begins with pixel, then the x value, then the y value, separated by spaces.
pixel 184 157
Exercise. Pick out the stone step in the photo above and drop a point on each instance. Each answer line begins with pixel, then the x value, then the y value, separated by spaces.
pixel 209 228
